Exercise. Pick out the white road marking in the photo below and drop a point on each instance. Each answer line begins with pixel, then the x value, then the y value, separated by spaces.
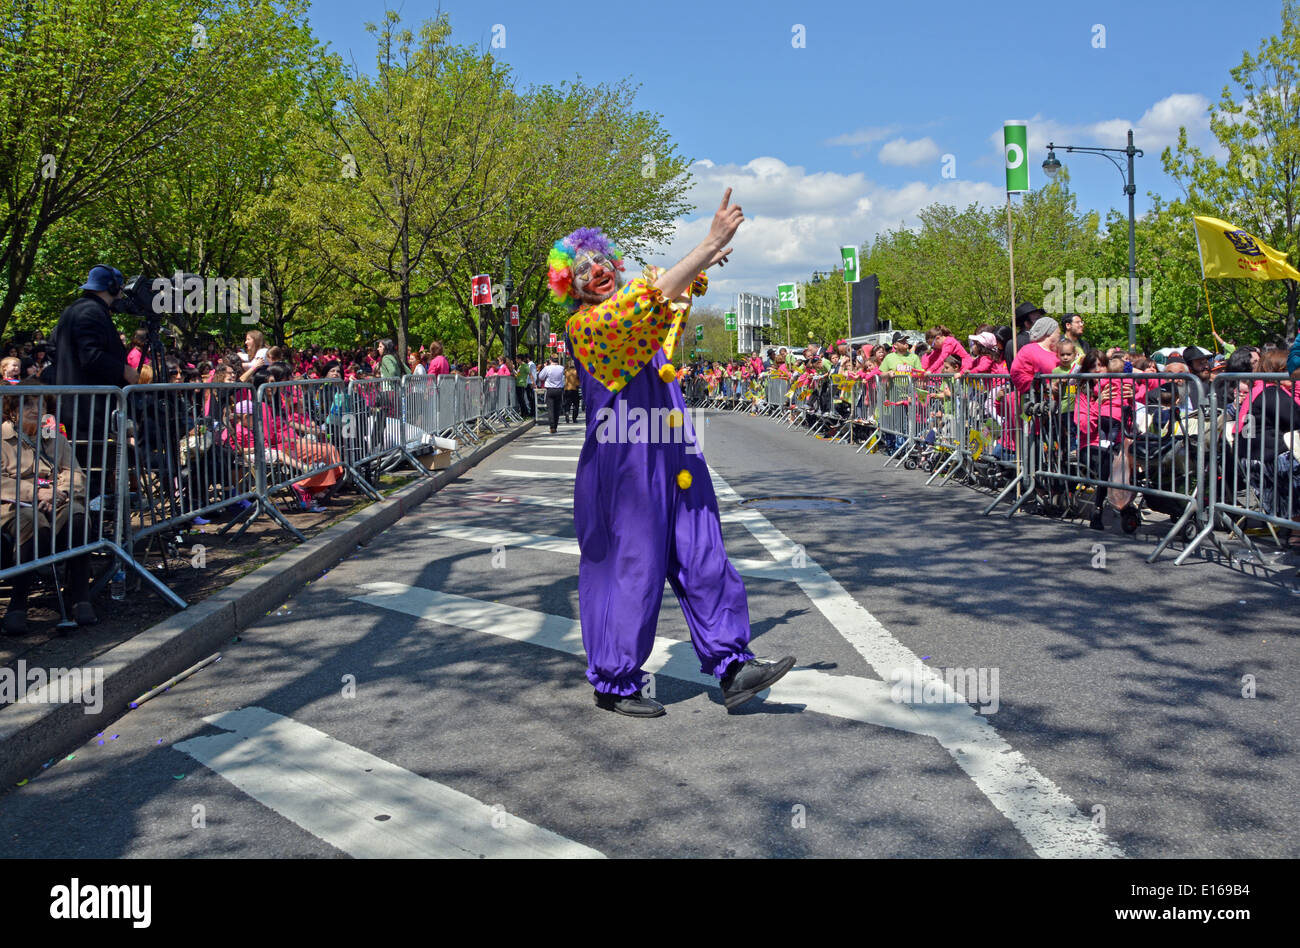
pixel 843 696
pixel 539 475
pixel 336 791
pixel 755 569
pixel 546 457
pixel 535 500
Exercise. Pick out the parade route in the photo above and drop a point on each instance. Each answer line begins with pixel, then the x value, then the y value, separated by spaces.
pixel 426 696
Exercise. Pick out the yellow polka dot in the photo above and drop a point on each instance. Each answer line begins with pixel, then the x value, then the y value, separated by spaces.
pixel 674 419
pixel 683 479
pixel 667 372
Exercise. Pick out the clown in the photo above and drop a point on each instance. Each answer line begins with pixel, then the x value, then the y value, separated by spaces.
pixel 643 502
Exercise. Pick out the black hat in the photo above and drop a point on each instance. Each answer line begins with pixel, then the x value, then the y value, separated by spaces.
pixel 1025 310
pixel 1194 352
pixel 899 337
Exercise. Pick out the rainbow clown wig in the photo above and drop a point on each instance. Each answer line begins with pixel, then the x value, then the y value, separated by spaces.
pixel 566 252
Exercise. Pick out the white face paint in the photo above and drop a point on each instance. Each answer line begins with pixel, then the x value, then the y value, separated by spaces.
pixel 595 278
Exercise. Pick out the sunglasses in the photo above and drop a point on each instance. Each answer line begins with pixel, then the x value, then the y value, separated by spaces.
pixel 582 270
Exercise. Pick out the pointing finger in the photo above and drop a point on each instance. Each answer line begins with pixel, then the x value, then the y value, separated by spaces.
pixel 725 198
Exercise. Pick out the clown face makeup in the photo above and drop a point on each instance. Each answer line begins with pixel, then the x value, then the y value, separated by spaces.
pixel 595 277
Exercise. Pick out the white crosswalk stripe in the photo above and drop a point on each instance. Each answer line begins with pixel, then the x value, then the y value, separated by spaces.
pixel 359 803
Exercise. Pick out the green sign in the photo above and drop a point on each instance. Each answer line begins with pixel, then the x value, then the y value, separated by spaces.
pixel 850 257
pixel 699 331
pixel 786 297
pixel 730 321
pixel 1015 140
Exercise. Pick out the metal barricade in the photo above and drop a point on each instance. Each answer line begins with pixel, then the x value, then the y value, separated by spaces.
pixel 776 391
pixel 985 448
pixel 308 435
pixel 896 418
pixel 64 488
pixel 1125 435
pixel 382 437
pixel 1250 430
pixel 938 424
pixel 421 404
pixel 192 453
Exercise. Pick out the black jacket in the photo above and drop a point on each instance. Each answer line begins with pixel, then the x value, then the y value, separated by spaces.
pixel 87 346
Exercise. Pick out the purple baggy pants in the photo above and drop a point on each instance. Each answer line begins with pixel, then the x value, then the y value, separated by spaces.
pixel 636 527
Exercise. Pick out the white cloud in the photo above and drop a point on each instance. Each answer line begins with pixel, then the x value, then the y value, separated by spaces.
pixel 902 152
pixel 1156 130
pixel 795 221
pixel 863 136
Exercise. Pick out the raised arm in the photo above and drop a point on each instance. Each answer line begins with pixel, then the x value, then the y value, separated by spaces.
pixel 714 249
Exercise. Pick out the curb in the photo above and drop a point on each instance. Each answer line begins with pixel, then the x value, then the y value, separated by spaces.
pixel 31 734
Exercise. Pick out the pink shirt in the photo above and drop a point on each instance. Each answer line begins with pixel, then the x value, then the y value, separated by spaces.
pixel 933 360
pixel 439 365
pixel 1032 360
pixel 984 365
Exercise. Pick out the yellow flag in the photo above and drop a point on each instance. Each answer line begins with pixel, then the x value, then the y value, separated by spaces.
pixel 1228 251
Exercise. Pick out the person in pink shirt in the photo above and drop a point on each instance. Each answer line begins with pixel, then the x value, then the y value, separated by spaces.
pixel 1039 357
pixel 438 365
pixel 1097 411
pixel 139 343
pixel 986 354
pixel 943 344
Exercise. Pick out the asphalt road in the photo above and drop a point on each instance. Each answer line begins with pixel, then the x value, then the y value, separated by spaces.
pixel 425 697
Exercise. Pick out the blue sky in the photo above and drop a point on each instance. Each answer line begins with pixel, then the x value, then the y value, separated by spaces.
pixel 830 143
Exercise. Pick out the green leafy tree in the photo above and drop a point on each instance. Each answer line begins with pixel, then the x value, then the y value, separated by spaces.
pixel 406 161
pixel 1257 186
pixel 99 99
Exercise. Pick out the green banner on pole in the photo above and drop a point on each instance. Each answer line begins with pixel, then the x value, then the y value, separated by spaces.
pixel 785 295
pixel 730 320
pixel 1015 143
pixel 850 256
pixel 699 332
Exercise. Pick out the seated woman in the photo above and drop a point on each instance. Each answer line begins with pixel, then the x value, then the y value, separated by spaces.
pixel 304 445
pixel 42 501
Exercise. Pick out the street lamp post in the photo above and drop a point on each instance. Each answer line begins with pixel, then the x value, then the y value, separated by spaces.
pixel 1052 165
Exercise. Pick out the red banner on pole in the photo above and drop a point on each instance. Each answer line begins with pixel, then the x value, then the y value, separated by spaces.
pixel 514 314
pixel 480 288
pixel 553 337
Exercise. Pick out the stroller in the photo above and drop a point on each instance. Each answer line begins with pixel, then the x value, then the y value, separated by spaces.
pixel 1165 452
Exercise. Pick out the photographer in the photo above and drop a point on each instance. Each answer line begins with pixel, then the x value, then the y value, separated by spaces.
pixel 88 345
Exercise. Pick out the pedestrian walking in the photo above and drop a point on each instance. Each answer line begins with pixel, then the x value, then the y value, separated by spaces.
pixel 552 378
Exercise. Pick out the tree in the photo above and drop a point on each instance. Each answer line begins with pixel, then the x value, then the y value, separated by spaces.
pixel 593 160
pixel 1258 186
pixel 98 99
pixel 406 161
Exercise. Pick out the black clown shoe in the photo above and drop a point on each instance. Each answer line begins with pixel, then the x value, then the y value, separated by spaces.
pixel 743 681
pixel 633 705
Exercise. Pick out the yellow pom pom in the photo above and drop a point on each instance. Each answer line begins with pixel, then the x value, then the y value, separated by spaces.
pixel 674 419
pixel 667 372
pixel 683 479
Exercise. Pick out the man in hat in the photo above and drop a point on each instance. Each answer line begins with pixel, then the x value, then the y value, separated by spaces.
pixel 643 503
pixel 1026 315
pixel 901 361
pixel 89 351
